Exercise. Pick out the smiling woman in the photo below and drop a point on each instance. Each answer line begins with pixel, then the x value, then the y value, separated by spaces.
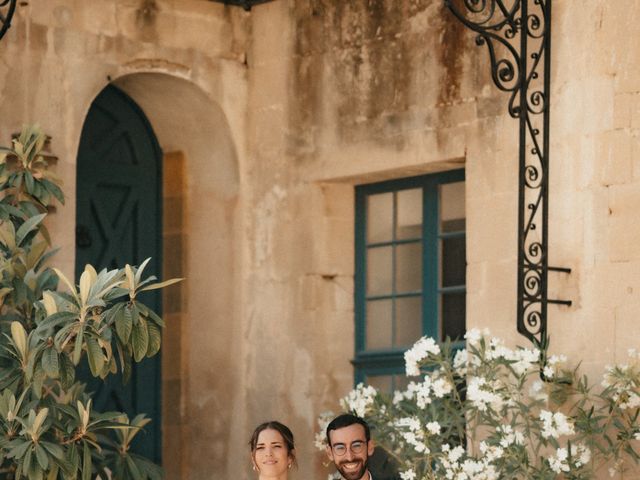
pixel 272 451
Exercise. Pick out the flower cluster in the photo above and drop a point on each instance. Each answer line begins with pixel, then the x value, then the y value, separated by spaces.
pixel 573 458
pixel 416 354
pixel 491 411
pixel 555 424
pixel 359 400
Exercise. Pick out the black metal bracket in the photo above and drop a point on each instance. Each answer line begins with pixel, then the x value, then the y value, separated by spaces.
pixel 517 34
pixel 7 9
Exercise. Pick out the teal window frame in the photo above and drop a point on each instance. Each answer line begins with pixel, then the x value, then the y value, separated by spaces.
pixel 391 361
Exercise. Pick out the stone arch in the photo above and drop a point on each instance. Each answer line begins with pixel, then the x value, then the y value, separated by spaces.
pixel 201 188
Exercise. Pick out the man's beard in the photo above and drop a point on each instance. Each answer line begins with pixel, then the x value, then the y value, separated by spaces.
pixel 357 475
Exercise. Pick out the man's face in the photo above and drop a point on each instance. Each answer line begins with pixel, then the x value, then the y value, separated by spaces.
pixel 351 464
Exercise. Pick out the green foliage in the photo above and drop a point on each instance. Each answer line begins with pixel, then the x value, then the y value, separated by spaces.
pixel 492 412
pixel 48 428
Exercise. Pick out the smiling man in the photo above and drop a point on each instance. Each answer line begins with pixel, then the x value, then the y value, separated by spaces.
pixel 349 446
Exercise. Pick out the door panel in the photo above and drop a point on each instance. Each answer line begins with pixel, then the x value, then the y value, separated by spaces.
pixel 118 221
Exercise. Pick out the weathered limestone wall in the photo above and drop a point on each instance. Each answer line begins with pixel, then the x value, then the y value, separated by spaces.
pixel 276 115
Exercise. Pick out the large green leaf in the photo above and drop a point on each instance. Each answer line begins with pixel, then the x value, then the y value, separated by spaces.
pixel 86 462
pixel 28 226
pixel 155 339
pixel 50 363
pixel 140 339
pixel 124 323
pixel 95 356
pixel 41 456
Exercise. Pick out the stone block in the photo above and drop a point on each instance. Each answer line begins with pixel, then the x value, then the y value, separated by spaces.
pixel 171 398
pixel 634 106
pixel 334 253
pixel 172 215
pixel 623 104
pixel 573 334
pixel 606 286
pixel 172 348
pixel 624 223
pixel 635 154
pixel 627 317
pixel 583 105
pixel 613 157
pixel 268 88
pixel 173 176
pixel 491 304
pixel 492 228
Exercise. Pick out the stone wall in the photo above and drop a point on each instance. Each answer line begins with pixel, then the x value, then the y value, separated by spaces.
pixel 276 114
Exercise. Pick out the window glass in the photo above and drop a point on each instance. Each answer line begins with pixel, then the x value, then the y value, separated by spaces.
pixel 408 267
pixel 453 316
pixel 387 383
pixel 379 324
pixel 380 217
pixel 379 271
pixel 454 265
pixel 382 383
pixel 408 324
pixel 452 200
pixel 409 217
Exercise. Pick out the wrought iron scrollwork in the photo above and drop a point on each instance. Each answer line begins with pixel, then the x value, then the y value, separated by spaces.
pixel 7 9
pixel 518 38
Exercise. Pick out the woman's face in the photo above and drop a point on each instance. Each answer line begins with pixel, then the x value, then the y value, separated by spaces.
pixel 271 456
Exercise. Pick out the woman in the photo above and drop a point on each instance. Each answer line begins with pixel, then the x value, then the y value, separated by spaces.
pixel 272 451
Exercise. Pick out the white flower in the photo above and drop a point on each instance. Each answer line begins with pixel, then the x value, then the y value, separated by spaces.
pixel 320 439
pixel 420 350
pixel 460 362
pixel 480 394
pixel 441 387
pixel 559 463
pixel 556 359
pixel 473 336
pixel 555 424
pixel 434 428
pixel 580 455
pixel 408 475
pixel 359 400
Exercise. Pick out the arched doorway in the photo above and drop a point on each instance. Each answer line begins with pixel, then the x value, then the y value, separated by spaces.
pixel 119 221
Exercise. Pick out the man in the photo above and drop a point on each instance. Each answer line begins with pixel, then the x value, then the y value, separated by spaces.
pixel 349 446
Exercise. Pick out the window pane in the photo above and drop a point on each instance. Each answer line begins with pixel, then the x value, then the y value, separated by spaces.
pixel 409 214
pixel 453 315
pixel 401 382
pixel 379 217
pixel 378 324
pixel 409 267
pixel 452 201
pixel 382 383
pixel 379 271
pixel 387 383
pixel 454 265
pixel 408 321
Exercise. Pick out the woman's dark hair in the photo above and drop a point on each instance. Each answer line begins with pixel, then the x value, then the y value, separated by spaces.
pixel 346 420
pixel 283 430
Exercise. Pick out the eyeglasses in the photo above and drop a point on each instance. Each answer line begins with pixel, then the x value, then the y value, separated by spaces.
pixel 356 447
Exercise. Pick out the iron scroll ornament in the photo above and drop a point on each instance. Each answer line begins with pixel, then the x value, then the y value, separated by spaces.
pixel 7 9
pixel 517 34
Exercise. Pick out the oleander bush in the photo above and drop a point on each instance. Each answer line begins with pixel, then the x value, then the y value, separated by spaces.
pixel 48 427
pixel 491 412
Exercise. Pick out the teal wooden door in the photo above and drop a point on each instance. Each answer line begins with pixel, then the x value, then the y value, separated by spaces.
pixel 118 221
